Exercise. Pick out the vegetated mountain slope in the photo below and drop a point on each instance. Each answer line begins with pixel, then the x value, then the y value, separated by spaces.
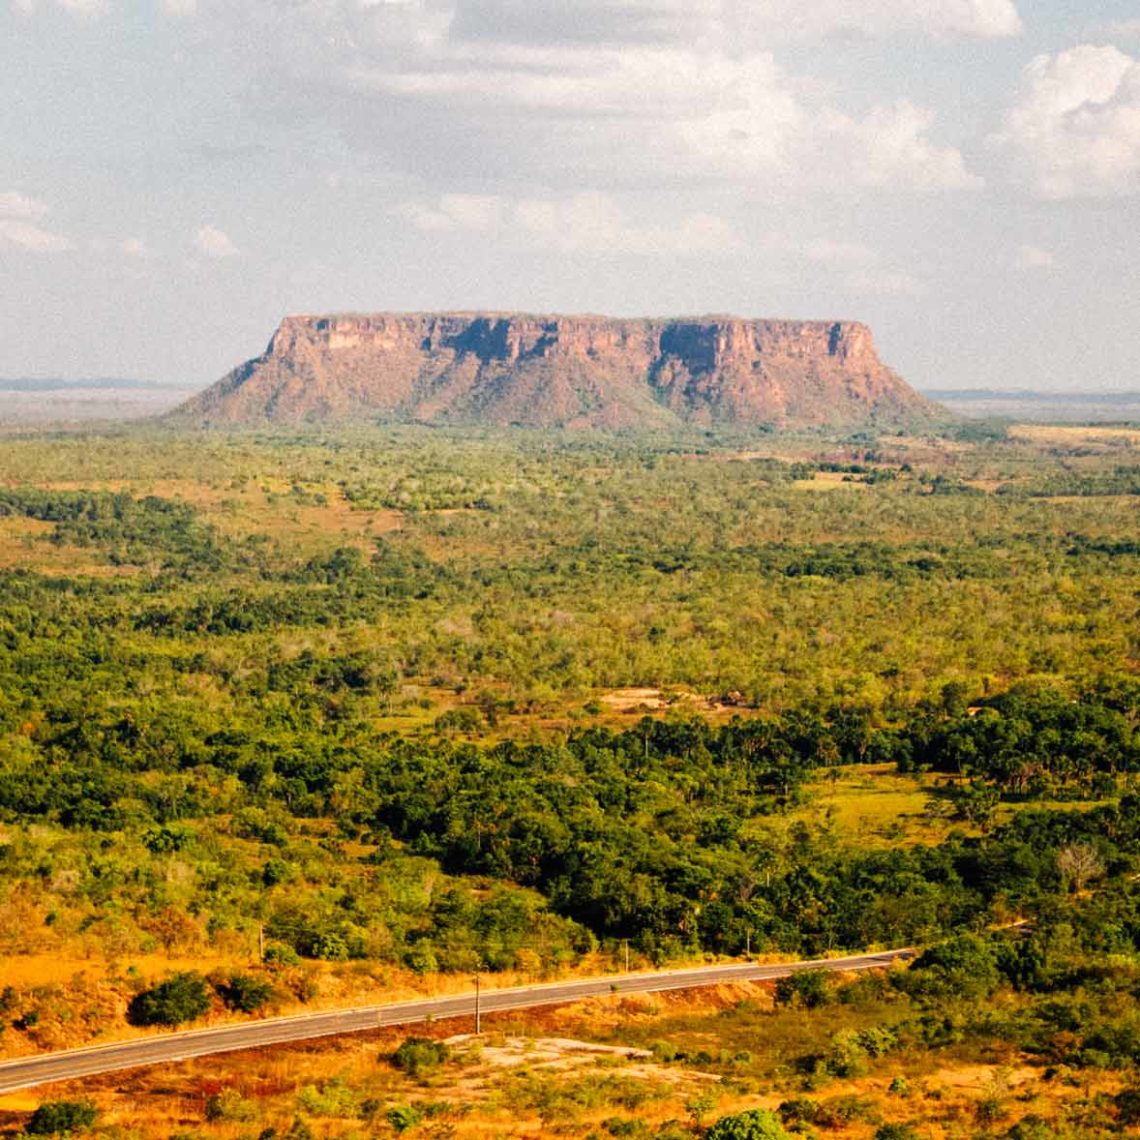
pixel 558 371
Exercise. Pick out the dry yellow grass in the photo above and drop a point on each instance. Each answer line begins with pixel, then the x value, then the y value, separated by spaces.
pixel 265 506
pixel 26 543
pixel 830 481
pixel 534 1074
pixel 1067 435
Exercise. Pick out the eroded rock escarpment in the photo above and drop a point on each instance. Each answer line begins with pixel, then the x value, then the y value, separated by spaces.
pixel 558 371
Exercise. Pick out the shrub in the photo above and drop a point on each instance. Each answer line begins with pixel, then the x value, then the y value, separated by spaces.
pixel 419 1056
pixel 807 988
pixel 334 1098
pixel 877 1040
pixel 421 958
pixel 989 1110
pixel 244 992
pixel 757 1124
pixel 840 1111
pixel 278 954
pixel 626 1126
pixel 1034 1127
pixel 1127 1103
pixel 895 1132
pixel 404 1116
pixel 183 997
pixel 275 871
pixel 62 1116
pixel 847 1057
pixel 230 1105
pixel 802 1110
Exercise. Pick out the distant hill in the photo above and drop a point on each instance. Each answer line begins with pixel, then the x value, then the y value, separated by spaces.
pixel 563 371
pixel 1040 406
pixel 50 384
pixel 25 402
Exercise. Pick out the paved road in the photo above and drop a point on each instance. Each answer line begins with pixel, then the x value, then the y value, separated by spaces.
pixel 28 1072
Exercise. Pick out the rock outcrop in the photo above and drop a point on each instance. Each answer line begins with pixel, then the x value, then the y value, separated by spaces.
pixel 562 371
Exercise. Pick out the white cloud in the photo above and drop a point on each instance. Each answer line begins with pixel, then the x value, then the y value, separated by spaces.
pixel 134 247
pixel 640 114
pixel 851 265
pixel 741 23
pixel 479 212
pixel 1117 30
pixel 1034 257
pixel 30 237
pixel 885 283
pixel 13 204
pixel 549 96
pixel 85 8
pixel 596 223
pixel 981 19
pixel 890 147
pixel 826 251
pixel 586 222
pixel 1074 129
pixel 214 243
pixel 180 8
pixel 19 215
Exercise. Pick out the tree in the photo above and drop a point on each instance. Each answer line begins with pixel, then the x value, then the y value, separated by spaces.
pixel 975 802
pixel 965 966
pixel 698 1105
pixel 756 1124
pixel 183 997
pixel 1079 864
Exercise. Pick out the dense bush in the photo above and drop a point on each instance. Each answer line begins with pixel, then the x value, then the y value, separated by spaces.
pixel 420 1056
pixel 184 997
pixel 757 1124
pixel 58 1117
pixel 807 988
pixel 244 992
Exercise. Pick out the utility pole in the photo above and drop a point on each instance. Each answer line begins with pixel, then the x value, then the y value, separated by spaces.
pixel 478 1012
pixel 748 945
pixel 625 945
pixel 261 941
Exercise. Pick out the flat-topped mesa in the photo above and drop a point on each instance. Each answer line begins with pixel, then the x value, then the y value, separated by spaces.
pixel 564 371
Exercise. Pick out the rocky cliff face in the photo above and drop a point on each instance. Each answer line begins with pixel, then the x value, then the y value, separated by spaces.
pixel 556 371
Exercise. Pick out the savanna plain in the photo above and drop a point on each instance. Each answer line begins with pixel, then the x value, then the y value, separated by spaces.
pixel 292 721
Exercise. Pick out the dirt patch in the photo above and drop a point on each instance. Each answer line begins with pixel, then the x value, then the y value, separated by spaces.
pixel 546 1052
pixel 634 698
pixel 983 1077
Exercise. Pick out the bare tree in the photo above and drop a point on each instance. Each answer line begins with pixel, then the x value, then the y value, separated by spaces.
pixel 1079 864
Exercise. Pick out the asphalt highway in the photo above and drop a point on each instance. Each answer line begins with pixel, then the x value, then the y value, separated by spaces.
pixel 46 1068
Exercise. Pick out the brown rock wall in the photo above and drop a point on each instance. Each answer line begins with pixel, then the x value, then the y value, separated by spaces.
pixel 573 371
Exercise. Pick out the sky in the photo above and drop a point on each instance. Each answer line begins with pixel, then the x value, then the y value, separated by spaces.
pixel 964 175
